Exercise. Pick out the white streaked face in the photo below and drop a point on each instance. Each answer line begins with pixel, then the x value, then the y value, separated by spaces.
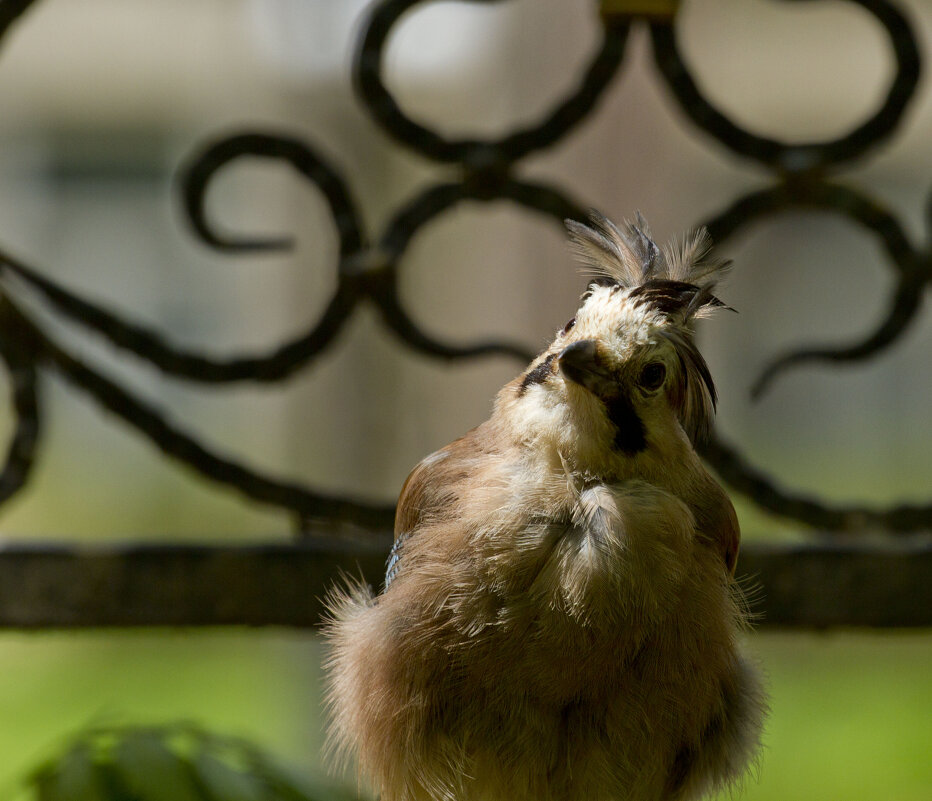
pixel 619 365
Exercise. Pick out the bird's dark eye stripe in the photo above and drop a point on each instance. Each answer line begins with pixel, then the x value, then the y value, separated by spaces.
pixel 630 434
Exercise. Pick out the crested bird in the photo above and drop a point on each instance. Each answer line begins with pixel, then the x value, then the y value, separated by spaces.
pixel 560 619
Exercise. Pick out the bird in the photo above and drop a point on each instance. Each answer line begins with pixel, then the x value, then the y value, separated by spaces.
pixel 560 619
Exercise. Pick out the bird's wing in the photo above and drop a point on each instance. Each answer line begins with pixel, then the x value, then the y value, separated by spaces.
pixel 729 537
pixel 429 493
pixel 717 523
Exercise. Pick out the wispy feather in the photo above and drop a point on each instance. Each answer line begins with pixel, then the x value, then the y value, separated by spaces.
pixel 629 257
pixel 693 396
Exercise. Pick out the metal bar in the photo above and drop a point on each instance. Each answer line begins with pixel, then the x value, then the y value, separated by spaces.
pixel 66 587
pixel 833 585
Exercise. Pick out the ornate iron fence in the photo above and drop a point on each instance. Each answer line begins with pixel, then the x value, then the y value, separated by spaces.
pixel 840 578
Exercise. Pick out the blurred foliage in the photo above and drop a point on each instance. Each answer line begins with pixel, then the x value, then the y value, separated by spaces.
pixel 177 762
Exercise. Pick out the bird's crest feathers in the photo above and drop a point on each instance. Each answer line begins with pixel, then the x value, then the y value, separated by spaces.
pixel 683 270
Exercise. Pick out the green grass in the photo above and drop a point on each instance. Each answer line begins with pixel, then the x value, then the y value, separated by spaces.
pixel 851 720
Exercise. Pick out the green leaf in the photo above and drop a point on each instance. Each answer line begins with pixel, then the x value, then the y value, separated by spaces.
pixel 220 782
pixel 74 777
pixel 151 771
pixel 289 785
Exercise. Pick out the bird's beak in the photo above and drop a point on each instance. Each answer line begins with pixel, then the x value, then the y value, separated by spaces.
pixel 582 364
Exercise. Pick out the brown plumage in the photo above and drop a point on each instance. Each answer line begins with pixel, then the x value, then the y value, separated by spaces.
pixel 560 621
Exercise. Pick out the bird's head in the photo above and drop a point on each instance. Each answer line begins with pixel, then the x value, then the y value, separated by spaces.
pixel 623 377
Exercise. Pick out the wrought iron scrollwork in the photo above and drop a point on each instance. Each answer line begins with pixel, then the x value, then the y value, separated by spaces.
pixel 368 269
pixel 19 358
pixel 475 155
pixel 912 266
pixel 810 156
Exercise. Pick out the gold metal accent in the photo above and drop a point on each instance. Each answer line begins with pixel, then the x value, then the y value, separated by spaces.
pixel 654 10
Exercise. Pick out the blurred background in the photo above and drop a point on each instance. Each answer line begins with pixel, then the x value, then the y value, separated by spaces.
pixel 104 99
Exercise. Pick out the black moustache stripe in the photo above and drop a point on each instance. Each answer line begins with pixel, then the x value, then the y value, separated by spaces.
pixel 538 375
pixel 630 435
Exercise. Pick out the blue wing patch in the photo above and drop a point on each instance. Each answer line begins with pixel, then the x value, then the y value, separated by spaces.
pixel 393 563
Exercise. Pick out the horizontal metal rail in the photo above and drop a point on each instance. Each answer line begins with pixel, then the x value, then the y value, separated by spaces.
pixel 68 587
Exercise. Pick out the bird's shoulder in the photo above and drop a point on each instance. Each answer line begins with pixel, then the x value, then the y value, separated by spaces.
pixel 433 492
pixel 717 524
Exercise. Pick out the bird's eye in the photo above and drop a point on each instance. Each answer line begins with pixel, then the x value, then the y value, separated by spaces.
pixel 652 376
pixel 569 325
